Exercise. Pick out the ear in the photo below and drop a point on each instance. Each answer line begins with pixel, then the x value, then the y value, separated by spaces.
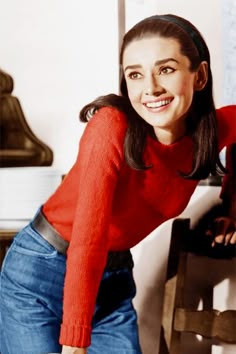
pixel 201 76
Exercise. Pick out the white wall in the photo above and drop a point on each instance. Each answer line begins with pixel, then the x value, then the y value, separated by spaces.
pixel 229 51
pixel 61 54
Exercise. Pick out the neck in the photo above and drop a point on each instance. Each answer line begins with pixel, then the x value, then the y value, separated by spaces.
pixel 168 137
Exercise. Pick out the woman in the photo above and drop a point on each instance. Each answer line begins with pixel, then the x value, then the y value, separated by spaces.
pixel 140 159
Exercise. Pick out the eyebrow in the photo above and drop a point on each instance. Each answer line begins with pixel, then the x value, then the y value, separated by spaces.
pixel 158 62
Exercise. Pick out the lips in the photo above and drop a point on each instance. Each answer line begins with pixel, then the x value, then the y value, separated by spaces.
pixel 158 104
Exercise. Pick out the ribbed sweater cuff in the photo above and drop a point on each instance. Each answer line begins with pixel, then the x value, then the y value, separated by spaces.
pixel 75 336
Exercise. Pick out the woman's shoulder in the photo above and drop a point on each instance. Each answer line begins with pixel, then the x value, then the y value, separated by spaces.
pixel 226 112
pixel 108 123
pixel 226 118
pixel 107 118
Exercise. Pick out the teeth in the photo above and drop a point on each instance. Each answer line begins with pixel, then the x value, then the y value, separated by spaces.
pixel 158 104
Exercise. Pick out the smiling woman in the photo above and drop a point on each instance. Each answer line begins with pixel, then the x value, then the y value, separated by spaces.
pixel 140 159
pixel 161 85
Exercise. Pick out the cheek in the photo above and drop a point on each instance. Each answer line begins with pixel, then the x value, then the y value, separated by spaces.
pixel 185 93
pixel 133 93
pixel 186 87
pixel 135 89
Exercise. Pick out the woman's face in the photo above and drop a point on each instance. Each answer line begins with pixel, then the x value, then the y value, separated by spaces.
pixel 160 84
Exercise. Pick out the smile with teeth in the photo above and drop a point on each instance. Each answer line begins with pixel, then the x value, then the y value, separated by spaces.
pixel 158 104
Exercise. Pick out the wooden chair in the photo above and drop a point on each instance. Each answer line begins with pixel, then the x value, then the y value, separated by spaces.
pixel 177 317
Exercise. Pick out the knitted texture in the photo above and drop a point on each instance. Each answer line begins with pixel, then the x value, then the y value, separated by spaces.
pixel 103 205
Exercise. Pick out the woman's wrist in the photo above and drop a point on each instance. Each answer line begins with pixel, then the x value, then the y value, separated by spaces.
pixel 73 350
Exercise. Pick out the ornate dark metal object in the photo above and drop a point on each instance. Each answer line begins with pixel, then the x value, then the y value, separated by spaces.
pixel 18 144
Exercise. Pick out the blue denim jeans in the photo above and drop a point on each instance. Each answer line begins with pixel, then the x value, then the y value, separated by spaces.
pixel 31 289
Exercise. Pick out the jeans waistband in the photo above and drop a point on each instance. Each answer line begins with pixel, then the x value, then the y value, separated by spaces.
pixel 47 231
pixel 115 260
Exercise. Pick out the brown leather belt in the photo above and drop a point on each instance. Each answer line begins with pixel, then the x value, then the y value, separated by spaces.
pixel 116 259
pixel 47 231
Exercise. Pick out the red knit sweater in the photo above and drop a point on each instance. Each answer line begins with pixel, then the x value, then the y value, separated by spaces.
pixel 103 204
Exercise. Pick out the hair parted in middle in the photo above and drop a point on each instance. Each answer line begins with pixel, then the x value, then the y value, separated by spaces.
pixel 201 121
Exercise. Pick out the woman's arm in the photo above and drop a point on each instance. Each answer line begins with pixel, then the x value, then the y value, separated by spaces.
pixel 97 169
pixel 226 120
pixel 224 226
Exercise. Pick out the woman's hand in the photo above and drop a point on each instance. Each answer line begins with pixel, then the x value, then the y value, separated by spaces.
pixel 223 230
pixel 73 350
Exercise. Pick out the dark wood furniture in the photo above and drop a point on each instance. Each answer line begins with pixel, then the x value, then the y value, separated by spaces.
pixel 177 317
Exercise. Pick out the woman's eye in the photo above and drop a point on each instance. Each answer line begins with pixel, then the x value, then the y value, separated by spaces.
pixel 134 75
pixel 166 70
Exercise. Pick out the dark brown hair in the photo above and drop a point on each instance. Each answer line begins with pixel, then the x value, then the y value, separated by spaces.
pixel 201 121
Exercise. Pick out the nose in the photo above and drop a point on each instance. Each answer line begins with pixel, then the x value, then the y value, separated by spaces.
pixel 153 87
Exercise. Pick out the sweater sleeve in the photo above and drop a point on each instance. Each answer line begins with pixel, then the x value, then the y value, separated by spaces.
pixel 226 117
pixel 99 160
